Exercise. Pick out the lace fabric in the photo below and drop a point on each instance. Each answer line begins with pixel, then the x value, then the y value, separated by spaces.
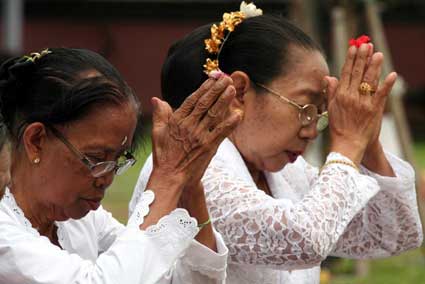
pixel 338 212
pixel 310 216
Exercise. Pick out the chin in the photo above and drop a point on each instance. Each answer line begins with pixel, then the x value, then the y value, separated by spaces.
pixel 74 214
pixel 275 167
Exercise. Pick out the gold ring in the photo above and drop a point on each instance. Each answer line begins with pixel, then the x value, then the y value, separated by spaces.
pixel 366 89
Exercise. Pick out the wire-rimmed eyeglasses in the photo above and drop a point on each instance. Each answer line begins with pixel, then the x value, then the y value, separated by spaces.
pixel 307 114
pixel 122 164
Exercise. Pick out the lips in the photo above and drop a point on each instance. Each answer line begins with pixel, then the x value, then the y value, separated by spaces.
pixel 293 155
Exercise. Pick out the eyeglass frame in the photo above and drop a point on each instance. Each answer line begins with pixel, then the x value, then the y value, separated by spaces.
pixel 130 159
pixel 298 106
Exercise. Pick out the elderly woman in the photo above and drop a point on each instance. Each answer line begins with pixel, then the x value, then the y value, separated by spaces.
pixel 277 213
pixel 4 158
pixel 72 121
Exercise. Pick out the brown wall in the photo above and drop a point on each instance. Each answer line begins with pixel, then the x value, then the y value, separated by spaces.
pixel 136 48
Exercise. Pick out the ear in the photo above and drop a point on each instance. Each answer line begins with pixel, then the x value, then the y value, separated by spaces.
pixel 34 138
pixel 242 84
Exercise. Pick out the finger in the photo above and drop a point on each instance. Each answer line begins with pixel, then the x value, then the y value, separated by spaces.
pixel 226 127
pixel 369 55
pixel 358 68
pixel 219 110
pixel 190 102
pixel 373 71
pixel 385 88
pixel 347 68
pixel 207 100
pixel 161 112
pixel 331 86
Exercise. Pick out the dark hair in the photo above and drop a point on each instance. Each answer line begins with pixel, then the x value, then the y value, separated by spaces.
pixel 53 90
pixel 258 46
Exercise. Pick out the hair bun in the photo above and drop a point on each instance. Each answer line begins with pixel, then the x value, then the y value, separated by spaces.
pixel 14 73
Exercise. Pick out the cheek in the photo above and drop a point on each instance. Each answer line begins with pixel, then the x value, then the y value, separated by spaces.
pixel 65 178
pixel 278 128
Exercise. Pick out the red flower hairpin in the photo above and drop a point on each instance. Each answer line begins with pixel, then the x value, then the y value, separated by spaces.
pixel 359 41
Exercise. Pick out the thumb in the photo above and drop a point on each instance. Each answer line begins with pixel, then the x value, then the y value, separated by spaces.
pixel 161 112
pixel 331 86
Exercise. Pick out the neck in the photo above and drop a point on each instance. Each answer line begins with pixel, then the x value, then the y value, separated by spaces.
pixel 254 172
pixel 26 191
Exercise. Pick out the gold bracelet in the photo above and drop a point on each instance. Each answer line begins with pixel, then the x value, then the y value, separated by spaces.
pixel 347 163
pixel 200 226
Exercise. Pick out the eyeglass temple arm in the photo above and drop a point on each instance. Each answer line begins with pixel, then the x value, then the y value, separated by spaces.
pixel 279 96
pixel 70 146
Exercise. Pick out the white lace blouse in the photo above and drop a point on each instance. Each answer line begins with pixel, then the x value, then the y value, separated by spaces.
pixel 310 216
pixel 97 249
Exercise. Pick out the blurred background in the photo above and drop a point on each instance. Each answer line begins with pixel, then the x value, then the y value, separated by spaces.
pixel 135 35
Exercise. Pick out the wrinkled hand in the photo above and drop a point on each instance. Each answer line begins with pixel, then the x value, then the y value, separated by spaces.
pixel 355 118
pixel 185 141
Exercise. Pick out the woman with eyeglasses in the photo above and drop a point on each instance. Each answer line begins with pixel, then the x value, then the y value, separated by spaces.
pixel 279 216
pixel 73 123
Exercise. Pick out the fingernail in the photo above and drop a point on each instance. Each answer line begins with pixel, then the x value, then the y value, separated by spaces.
pixel 230 90
pixel 325 82
pixel 364 46
pixel 154 102
pixel 240 113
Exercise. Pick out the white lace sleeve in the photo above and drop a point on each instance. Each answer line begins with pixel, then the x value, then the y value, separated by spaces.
pixel 201 265
pixel 390 223
pixel 261 230
pixel 198 264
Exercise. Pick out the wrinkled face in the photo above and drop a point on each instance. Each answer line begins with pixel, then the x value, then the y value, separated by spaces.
pixel 69 189
pixel 4 168
pixel 271 135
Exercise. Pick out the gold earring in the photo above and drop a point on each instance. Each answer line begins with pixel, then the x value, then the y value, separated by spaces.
pixel 36 160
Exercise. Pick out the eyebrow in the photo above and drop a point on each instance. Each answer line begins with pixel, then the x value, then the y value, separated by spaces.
pixel 314 95
pixel 106 149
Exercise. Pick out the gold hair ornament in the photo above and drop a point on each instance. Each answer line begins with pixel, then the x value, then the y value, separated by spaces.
pixel 34 56
pixel 215 44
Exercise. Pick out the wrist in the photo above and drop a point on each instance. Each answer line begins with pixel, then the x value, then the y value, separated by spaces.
pixel 352 149
pixel 160 181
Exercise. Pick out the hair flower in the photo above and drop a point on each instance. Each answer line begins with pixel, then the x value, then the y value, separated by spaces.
pixel 220 33
pixel 34 56
pixel 359 41
pixel 250 10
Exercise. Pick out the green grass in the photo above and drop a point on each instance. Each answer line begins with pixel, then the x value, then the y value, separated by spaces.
pixel 419 151
pixel 407 268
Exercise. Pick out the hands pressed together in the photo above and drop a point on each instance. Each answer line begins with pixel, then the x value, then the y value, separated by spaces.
pixel 355 115
pixel 184 141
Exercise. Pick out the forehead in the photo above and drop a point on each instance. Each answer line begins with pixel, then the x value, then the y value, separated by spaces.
pixel 108 127
pixel 305 74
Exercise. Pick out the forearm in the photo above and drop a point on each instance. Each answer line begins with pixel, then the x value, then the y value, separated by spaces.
pixel 193 200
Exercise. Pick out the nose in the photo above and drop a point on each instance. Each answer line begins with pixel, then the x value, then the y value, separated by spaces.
pixel 309 132
pixel 104 181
